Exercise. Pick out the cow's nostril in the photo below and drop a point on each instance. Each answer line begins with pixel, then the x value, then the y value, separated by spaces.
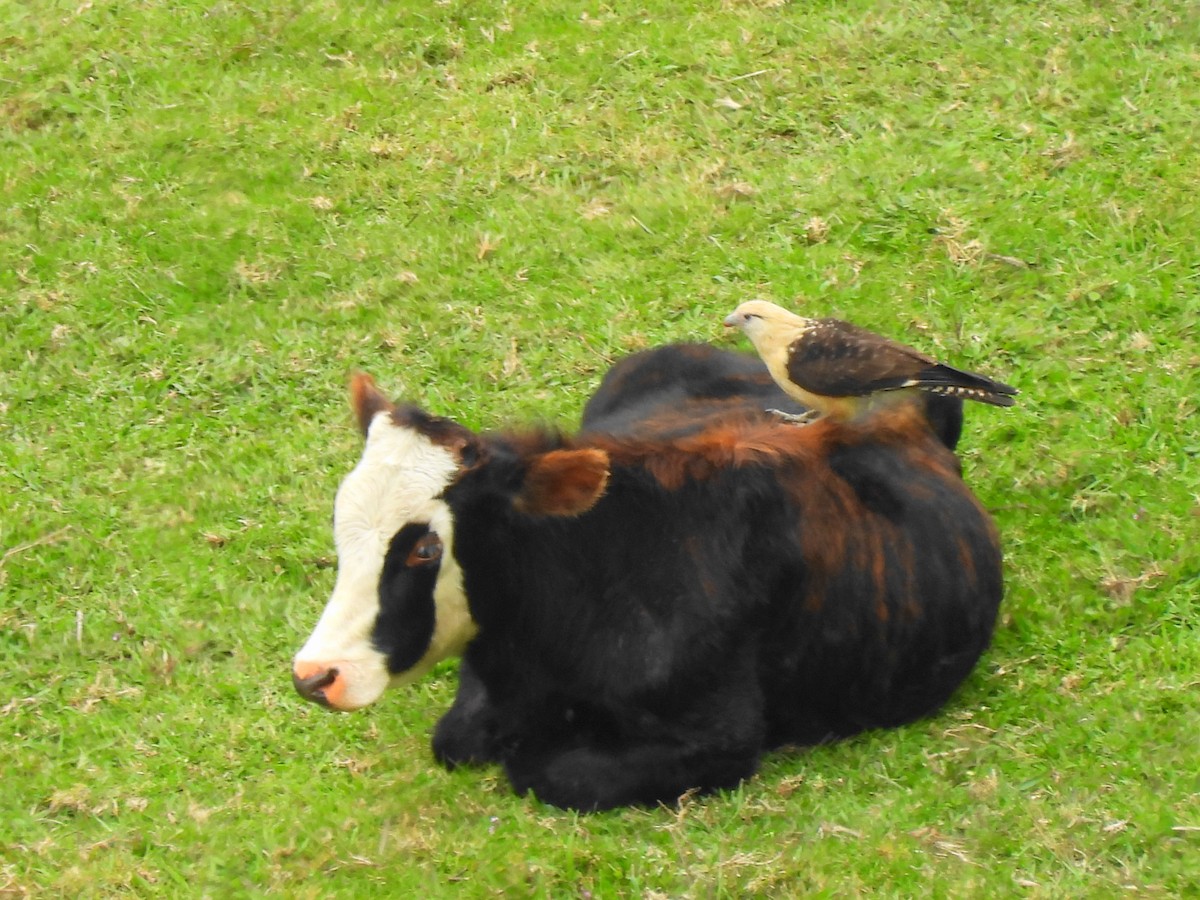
pixel 312 687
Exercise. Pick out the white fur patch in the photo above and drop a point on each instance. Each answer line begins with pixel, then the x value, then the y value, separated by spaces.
pixel 394 484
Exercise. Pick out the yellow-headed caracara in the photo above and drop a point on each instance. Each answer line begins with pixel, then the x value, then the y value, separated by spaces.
pixel 841 370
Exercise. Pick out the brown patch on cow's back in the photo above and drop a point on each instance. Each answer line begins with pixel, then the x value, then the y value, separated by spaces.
pixel 837 531
pixel 911 605
pixel 966 556
pixel 676 448
pixel 899 425
pixel 820 497
pixel 798 457
pixel 725 442
pixel 701 564
pixel 878 561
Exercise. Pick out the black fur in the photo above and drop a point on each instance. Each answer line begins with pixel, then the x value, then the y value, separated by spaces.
pixel 664 639
pixel 405 623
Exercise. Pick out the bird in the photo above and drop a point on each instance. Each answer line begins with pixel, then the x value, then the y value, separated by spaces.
pixel 842 371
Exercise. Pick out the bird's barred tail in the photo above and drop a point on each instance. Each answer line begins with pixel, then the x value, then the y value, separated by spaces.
pixel 951 382
pixel 995 398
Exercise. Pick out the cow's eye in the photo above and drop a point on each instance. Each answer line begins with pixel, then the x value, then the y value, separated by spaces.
pixel 425 551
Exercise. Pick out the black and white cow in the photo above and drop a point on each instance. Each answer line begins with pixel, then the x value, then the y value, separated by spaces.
pixel 646 607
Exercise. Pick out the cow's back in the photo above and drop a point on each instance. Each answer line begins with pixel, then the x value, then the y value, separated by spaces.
pixel 895 587
pixel 677 389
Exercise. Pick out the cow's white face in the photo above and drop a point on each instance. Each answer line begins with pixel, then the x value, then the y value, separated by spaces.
pixel 396 568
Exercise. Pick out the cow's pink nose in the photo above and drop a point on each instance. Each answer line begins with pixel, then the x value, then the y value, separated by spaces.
pixel 318 683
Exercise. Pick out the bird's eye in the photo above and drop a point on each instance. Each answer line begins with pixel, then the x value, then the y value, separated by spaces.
pixel 425 551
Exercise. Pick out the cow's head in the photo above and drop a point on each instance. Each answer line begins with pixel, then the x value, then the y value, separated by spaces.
pixel 398 605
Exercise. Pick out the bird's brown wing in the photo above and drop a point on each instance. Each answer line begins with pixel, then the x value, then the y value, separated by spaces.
pixel 836 359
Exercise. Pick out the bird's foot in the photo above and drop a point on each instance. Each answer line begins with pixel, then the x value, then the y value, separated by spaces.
pixel 795 419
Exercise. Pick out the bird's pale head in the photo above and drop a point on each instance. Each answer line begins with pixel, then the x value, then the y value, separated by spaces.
pixel 760 318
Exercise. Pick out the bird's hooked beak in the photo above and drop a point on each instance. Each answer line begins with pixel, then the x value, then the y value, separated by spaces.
pixel 733 320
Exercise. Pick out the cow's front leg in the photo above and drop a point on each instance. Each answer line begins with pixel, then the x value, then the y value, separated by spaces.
pixel 467 734
pixel 591 779
pixel 646 759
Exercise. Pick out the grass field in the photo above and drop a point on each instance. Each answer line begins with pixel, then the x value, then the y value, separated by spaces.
pixel 213 211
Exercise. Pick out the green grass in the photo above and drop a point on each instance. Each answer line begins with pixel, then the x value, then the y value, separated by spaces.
pixel 213 211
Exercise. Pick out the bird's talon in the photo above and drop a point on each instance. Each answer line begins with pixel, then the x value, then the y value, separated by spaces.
pixel 795 418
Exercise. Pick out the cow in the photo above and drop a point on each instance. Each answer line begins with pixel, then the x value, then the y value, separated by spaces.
pixel 646 607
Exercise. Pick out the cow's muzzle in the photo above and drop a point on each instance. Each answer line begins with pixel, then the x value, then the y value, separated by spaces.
pixel 311 682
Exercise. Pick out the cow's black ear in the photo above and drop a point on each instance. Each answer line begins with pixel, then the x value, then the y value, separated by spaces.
pixel 563 483
pixel 366 400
